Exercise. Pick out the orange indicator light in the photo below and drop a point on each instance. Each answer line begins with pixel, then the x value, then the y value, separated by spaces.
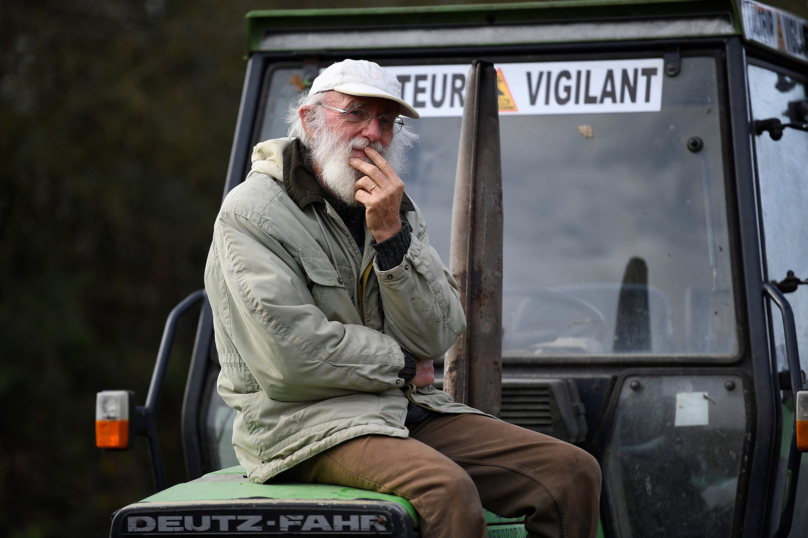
pixel 112 419
pixel 801 410
pixel 112 433
pixel 802 435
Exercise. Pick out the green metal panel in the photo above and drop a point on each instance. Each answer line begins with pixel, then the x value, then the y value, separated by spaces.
pixel 258 22
pixel 210 489
pixel 514 529
pixel 493 519
pixel 507 531
pixel 241 489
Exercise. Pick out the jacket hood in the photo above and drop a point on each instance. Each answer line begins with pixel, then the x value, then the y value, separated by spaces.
pixel 267 157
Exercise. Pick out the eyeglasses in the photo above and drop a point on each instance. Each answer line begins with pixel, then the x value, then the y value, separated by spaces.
pixel 387 122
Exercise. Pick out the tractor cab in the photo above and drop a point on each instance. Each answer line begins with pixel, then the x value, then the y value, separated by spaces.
pixel 654 180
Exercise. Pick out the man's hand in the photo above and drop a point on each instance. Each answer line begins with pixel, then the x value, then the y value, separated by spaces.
pixel 380 191
pixel 424 373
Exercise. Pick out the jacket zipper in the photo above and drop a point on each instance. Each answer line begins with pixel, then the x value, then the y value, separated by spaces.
pixel 410 390
pixel 362 282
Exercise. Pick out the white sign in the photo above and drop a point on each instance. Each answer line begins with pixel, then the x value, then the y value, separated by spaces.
pixel 433 90
pixel 692 409
pixel 596 87
pixel 776 29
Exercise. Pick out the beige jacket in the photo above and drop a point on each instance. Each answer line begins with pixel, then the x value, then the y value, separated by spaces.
pixel 309 361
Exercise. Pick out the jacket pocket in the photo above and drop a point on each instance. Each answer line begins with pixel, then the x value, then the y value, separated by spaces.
pixel 333 297
pixel 319 268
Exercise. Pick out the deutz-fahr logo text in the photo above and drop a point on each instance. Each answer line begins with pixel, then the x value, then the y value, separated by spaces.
pixel 255 523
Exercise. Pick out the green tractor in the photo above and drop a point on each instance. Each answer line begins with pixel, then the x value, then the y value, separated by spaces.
pixel 649 186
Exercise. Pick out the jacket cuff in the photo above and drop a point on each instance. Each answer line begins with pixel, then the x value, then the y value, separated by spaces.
pixel 390 252
pixel 415 414
pixel 408 372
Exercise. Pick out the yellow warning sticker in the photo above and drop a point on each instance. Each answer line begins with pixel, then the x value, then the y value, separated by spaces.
pixel 506 102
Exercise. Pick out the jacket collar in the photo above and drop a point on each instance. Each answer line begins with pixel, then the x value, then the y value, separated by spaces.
pixel 301 183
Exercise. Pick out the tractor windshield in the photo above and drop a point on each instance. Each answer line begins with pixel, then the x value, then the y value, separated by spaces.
pixel 616 240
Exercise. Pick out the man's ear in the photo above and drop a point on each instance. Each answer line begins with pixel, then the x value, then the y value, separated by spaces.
pixel 306 114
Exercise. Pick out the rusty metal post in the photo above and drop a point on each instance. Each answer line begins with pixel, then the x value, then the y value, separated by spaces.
pixel 473 368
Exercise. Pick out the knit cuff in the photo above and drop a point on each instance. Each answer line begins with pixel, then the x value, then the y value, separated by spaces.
pixel 390 252
pixel 415 414
pixel 408 372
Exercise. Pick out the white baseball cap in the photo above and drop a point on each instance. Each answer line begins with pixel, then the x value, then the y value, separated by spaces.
pixel 362 79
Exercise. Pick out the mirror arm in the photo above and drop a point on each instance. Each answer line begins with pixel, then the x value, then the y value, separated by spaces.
pixel 776 127
pixel 789 284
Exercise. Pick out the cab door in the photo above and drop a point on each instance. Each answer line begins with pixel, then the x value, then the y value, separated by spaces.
pixel 782 181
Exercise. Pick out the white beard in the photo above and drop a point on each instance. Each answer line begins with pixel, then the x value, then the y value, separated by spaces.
pixel 330 154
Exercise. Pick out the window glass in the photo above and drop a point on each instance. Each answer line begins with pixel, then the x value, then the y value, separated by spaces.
pixel 283 90
pixel 219 419
pixel 781 172
pixel 616 237
pixel 673 457
pixel 781 168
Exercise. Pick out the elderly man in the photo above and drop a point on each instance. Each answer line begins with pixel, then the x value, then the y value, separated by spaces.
pixel 329 307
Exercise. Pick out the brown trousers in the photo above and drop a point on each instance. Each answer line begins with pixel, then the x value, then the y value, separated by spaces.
pixel 454 465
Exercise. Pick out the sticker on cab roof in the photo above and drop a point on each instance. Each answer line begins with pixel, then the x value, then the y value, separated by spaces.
pixel 776 29
pixel 538 88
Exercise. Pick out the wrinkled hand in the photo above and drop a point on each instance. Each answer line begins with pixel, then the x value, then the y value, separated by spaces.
pixel 424 373
pixel 380 191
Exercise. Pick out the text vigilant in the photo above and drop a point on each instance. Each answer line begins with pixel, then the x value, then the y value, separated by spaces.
pixel 614 86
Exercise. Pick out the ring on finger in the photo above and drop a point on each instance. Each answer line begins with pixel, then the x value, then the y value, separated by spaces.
pixel 373 187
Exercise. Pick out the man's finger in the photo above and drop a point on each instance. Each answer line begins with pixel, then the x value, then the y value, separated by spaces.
pixel 366 184
pixel 380 161
pixel 369 169
pixel 363 197
pixel 386 168
pixel 424 373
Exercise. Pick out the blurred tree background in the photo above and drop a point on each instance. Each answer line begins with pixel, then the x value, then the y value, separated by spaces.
pixel 116 122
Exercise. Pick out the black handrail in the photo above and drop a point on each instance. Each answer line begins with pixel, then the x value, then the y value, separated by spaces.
pixel 145 416
pixel 793 356
pixel 195 463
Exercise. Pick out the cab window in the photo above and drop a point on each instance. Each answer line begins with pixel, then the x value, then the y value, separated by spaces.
pixel 781 166
pixel 616 240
